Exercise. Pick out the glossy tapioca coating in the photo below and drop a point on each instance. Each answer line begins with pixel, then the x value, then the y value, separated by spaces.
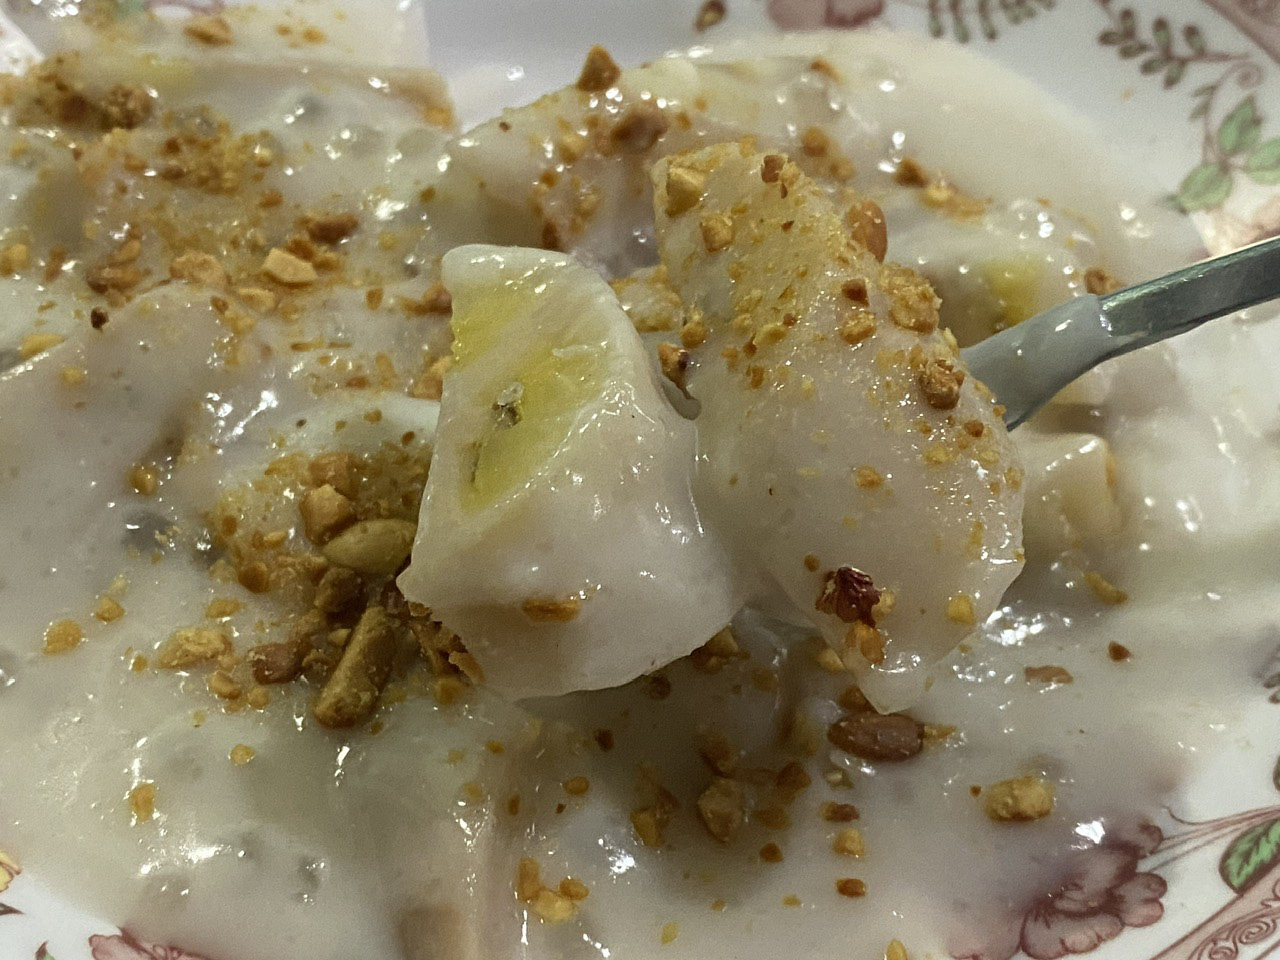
pixel 844 451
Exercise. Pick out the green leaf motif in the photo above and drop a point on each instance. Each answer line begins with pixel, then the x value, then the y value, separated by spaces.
pixel 1162 35
pixel 1275 774
pixel 1195 39
pixel 1199 110
pixel 1204 187
pixel 42 952
pixel 6 910
pixel 1263 164
pixel 1174 73
pixel 1249 855
pixel 1240 128
pixel 1153 65
pixel 1109 38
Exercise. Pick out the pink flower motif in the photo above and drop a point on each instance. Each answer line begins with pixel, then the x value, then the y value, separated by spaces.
pixel 1103 893
pixel 126 946
pixel 808 14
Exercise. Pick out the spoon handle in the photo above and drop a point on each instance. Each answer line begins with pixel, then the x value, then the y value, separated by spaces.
pixel 1027 364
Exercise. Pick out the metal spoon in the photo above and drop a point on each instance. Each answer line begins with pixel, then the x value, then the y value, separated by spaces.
pixel 1027 364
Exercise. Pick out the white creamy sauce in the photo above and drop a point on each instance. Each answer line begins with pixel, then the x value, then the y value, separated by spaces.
pixel 333 841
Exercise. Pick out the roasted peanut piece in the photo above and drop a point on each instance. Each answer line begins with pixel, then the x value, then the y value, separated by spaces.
pixel 353 689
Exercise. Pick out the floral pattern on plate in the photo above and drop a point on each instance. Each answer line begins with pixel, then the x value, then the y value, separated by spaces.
pixel 1126 882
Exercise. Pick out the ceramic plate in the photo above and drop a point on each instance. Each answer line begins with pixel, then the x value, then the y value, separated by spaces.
pixel 1190 86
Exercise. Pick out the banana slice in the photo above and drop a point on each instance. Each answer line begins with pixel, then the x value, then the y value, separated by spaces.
pixel 558 534
pixel 847 454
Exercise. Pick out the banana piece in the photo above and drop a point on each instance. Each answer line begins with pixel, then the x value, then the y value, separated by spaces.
pixel 558 534
pixel 869 481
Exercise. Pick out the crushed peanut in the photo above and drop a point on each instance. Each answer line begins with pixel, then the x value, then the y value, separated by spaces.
pixel 241 754
pixel 599 72
pixel 1104 589
pixel 353 688
pixel 717 231
pixel 373 547
pixel 62 635
pixel 1020 799
pixel 721 807
pixel 685 187
pixel 849 843
pixel 192 646
pixel 142 802
pixel 551 610
pixel 108 609
pixel 213 30
pixel 288 270
pixel 851 887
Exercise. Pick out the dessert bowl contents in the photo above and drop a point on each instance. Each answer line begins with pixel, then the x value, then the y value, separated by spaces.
pixel 263 295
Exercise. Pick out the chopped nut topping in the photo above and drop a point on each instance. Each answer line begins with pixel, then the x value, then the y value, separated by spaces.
pixel 196 267
pixel 849 594
pixel 14 258
pixel 873 736
pixel 857 326
pixel 1099 281
pixel 35 344
pixel 1104 589
pixel 868 478
pixel 108 609
pixel 721 808
pixel 577 786
pixel 551 610
pixel 910 173
pixel 669 933
pixel 62 635
pixel 914 305
pixel 855 290
pixel 241 754
pixel 849 843
pixel 709 14
pixel 142 801
pixel 867 640
pixel 895 951
pixel 215 31
pixel 143 479
pixel 693 334
pixel 674 362
pixel 639 127
pixel 599 72
pixel 960 610
pixel 717 231
pixel 718 752
pixel 839 812
pixel 374 547
pixel 814 142
pixel 338 590
pixel 1047 674
pixel 771 167
pixel 336 469
pixel 352 690
pixel 331 228
pixel 126 106
pixel 1019 800
pixel 771 853
pixel 851 887
pixel 221 684
pixel 867 227
pixel 574 889
pixel 685 186
pixel 288 270
pixel 191 647
pixel 1118 652
pixel 325 512
pixel 940 382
